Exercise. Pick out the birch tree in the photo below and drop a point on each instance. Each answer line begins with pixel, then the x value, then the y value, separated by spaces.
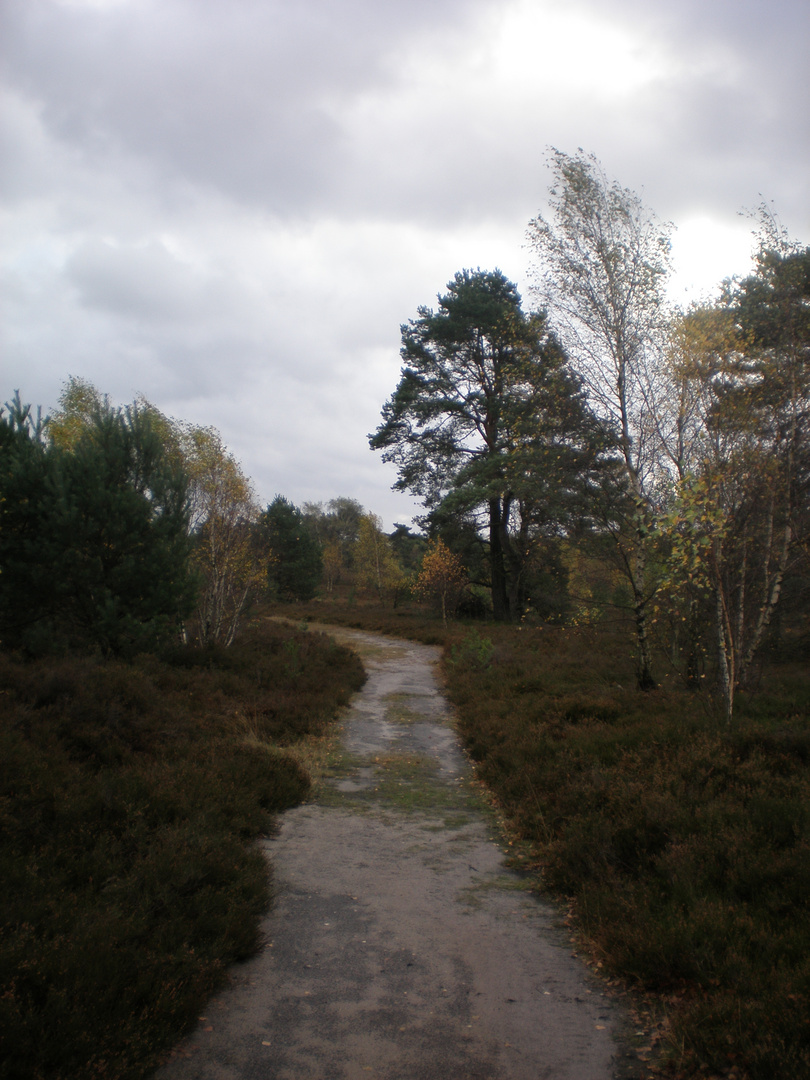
pixel 602 260
pixel 375 563
pixel 742 512
pixel 223 513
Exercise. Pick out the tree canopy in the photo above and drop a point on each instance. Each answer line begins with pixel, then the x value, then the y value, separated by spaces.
pixel 294 562
pixel 488 418
pixel 94 544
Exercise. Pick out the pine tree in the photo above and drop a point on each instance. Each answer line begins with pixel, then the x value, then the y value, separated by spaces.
pixel 294 560
pixel 94 548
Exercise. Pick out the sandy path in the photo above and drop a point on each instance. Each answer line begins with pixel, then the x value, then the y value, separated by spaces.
pixel 399 947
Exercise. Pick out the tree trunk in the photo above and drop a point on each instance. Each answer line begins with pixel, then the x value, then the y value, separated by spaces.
pixel 500 595
pixel 636 563
pixel 725 654
pixel 692 644
pixel 644 675
pixel 514 557
pixel 773 589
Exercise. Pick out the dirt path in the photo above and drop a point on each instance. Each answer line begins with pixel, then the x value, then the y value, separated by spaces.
pixel 399 947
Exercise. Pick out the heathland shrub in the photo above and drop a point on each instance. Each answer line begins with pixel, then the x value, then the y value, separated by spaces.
pixel 473 651
pixel 130 799
pixel 682 846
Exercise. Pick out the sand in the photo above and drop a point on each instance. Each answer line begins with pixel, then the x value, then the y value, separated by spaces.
pixel 399 945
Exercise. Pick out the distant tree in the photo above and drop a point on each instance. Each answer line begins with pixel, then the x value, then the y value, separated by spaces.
pixel 223 514
pixel 602 267
pixel 332 564
pixel 488 420
pixel 337 529
pixel 342 523
pixel 409 547
pixel 295 563
pixel 376 564
pixel 442 579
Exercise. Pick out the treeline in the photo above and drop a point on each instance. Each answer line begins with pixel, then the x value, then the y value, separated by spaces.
pixel 603 453
pixel 611 451
pixel 122 530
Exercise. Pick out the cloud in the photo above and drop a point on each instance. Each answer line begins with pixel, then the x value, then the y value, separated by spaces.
pixel 231 208
pixel 245 97
pixel 138 282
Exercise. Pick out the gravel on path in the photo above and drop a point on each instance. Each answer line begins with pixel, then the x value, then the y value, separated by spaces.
pixel 399 946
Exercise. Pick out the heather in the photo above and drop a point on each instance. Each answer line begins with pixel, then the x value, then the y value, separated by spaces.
pixel 132 798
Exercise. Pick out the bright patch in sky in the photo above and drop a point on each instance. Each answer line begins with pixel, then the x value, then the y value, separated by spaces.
pixel 566 50
pixel 705 252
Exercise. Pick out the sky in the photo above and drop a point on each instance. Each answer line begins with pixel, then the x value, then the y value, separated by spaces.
pixel 229 207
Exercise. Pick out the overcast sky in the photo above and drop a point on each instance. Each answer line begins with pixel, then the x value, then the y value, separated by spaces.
pixel 230 206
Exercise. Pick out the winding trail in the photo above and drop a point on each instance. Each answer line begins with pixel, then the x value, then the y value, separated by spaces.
pixel 399 947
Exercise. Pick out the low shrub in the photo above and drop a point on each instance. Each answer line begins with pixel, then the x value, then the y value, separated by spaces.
pixel 682 846
pixel 130 800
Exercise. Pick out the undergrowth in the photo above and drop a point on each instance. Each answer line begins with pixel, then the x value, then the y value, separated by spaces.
pixel 131 796
pixel 683 844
